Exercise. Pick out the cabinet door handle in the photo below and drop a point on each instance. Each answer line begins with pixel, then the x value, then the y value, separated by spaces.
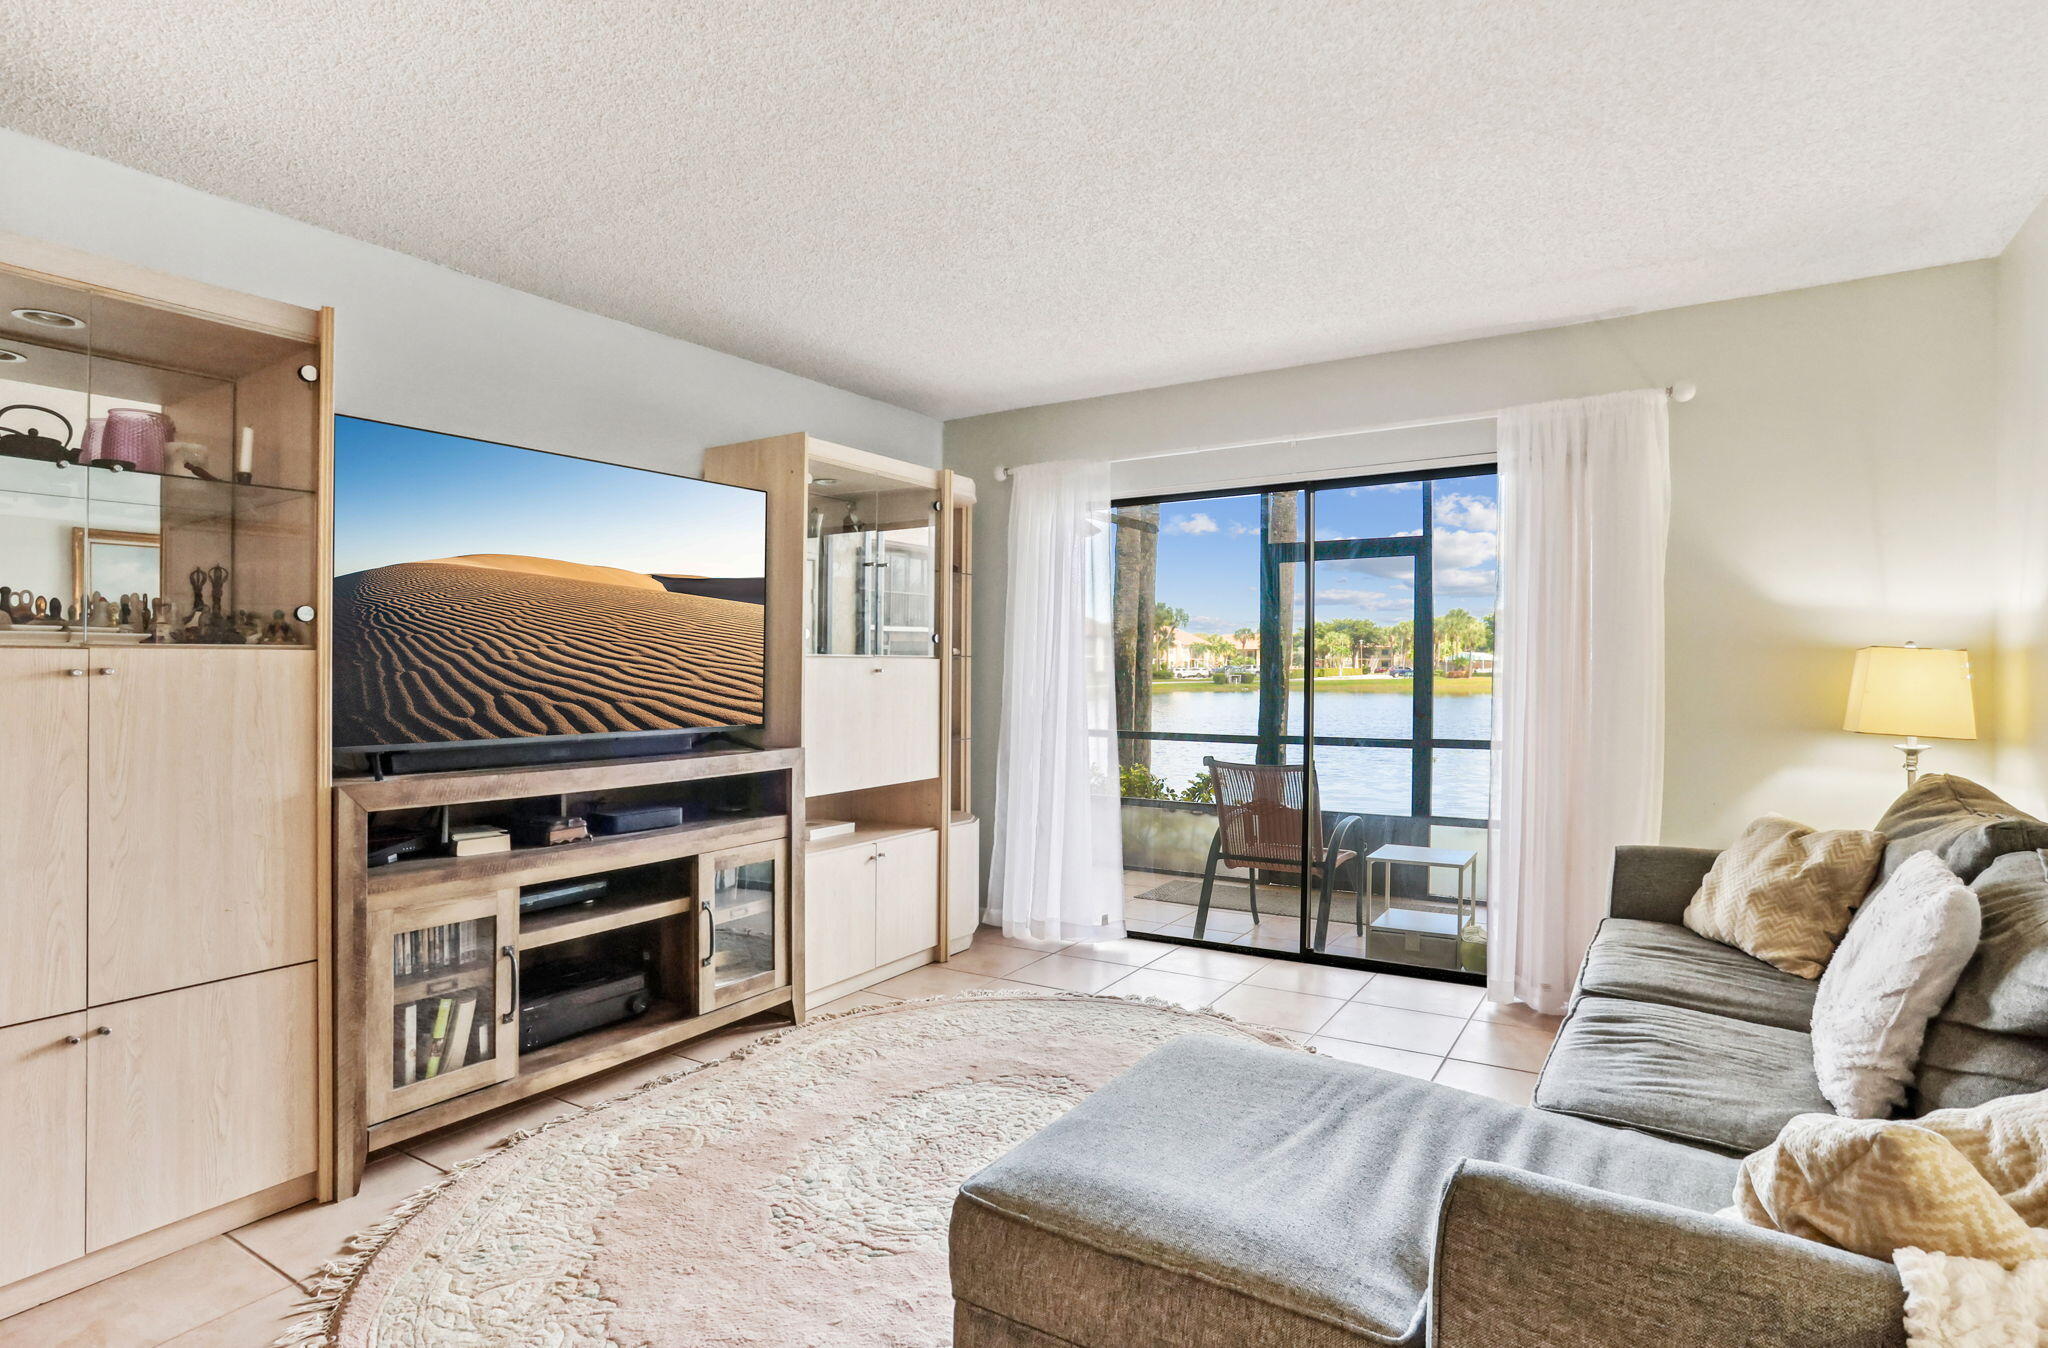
pixel 104 1030
pixel 709 930
pixel 73 1039
pixel 106 671
pixel 510 953
pixel 75 673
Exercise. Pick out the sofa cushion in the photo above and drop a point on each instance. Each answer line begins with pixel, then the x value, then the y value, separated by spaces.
pixel 1959 821
pixel 1991 1039
pixel 1962 1067
pixel 2004 987
pixel 1686 1074
pixel 1222 1193
pixel 1665 963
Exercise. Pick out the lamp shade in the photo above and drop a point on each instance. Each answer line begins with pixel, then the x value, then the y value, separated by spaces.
pixel 1905 690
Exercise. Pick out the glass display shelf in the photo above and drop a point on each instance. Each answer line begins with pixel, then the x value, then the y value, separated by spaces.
pixel 159 475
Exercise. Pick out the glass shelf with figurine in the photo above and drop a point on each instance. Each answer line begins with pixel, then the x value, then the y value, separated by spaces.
pixel 159 475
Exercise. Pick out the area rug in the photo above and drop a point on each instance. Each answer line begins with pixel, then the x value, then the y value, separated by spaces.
pixel 795 1193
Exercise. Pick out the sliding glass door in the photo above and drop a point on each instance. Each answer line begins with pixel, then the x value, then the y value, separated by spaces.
pixel 1304 692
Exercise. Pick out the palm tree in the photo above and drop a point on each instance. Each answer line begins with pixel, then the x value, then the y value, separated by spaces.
pixel 1217 649
pixel 1456 633
pixel 1401 640
pixel 1247 638
pixel 1166 624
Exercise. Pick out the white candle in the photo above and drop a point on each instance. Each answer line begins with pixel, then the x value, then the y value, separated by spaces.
pixel 245 461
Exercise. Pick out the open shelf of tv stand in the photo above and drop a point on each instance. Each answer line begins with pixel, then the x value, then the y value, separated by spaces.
pixel 660 915
pixel 532 865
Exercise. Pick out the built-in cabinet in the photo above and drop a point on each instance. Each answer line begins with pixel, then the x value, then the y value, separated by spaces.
pixel 874 902
pixel 870 722
pixel 163 455
pixel 867 672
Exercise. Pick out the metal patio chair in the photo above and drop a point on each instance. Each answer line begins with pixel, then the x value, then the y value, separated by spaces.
pixel 1259 825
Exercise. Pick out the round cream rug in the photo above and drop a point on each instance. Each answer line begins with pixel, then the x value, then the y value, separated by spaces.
pixel 795 1193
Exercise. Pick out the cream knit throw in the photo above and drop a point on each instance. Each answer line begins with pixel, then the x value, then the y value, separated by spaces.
pixel 1973 1303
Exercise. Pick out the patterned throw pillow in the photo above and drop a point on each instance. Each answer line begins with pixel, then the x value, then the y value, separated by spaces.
pixel 1890 975
pixel 1872 1186
pixel 1784 892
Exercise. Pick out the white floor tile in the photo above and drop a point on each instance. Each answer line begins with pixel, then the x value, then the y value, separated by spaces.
pixel 1392 1027
pixel 1278 1008
pixel 1400 1060
pixel 1069 974
pixel 1422 994
pixel 1180 989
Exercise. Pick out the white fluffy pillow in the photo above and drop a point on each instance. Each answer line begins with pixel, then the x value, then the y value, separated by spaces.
pixel 1893 971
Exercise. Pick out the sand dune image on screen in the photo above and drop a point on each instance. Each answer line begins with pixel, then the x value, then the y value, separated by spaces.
pixel 493 646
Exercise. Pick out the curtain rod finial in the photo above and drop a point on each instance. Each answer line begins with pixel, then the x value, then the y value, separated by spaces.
pixel 1684 391
pixel 1002 473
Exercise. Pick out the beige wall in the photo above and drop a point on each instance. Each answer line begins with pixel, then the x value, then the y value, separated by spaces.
pixel 1831 483
pixel 2021 723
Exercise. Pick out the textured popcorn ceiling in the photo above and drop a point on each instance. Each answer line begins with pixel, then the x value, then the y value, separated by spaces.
pixel 973 205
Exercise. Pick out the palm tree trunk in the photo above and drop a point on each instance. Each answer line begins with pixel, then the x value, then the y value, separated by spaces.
pixel 1137 583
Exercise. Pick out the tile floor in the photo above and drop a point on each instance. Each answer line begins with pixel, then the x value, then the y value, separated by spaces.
pixel 239 1290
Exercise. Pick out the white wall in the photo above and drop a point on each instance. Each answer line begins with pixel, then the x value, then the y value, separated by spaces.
pixel 2022 726
pixel 425 346
pixel 1832 485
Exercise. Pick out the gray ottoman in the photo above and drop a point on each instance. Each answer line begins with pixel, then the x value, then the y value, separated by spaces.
pixel 1222 1194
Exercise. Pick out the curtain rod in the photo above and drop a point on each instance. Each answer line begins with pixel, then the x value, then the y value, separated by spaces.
pixel 1683 391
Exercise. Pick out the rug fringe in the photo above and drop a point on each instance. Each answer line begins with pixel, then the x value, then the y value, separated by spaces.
pixel 338 1277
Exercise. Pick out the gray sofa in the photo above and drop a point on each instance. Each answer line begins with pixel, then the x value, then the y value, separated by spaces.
pixel 1228 1195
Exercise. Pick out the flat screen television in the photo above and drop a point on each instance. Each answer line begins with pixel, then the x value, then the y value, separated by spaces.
pixel 490 595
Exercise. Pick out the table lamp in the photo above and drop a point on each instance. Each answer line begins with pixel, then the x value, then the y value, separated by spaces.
pixel 1907 690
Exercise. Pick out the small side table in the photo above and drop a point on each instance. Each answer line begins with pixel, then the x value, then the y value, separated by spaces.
pixel 1381 862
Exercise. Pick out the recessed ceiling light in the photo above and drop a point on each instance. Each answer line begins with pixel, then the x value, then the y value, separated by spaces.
pixel 11 357
pixel 48 318
pixel 824 482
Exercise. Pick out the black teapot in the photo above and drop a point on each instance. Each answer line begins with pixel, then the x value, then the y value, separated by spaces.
pixel 32 443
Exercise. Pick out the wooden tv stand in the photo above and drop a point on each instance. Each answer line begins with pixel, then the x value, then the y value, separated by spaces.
pixel 431 952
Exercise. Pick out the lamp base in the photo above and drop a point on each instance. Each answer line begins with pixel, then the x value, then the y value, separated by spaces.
pixel 1911 749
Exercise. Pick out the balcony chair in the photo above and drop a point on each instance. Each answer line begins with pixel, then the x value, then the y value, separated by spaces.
pixel 1260 825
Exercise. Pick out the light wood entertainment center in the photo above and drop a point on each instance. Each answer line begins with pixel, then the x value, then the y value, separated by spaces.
pixel 213 1006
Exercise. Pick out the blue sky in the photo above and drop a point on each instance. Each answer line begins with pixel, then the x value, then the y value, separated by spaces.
pixel 1209 553
pixel 404 495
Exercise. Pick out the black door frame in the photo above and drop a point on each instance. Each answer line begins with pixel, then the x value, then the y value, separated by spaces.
pixel 1422 742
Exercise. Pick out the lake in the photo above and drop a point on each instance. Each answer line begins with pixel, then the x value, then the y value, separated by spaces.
pixel 1362 781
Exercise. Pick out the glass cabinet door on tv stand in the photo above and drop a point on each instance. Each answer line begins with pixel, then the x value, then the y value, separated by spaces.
pixel 442 1009
pixel 742 923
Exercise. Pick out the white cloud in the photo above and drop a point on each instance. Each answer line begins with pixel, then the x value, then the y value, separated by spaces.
pixel 1238 529
pixel 1357 598
pixel 1464 580
pixel 1460 511
pixel 1384 486
pixel 1406 533
pixel 1399 570
pixel 1466 547
pixel 1197 523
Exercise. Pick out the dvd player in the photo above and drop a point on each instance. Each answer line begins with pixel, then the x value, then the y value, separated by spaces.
pixel 563 893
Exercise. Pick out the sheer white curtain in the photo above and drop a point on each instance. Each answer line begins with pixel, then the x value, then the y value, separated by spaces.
pixel 1057 872
pixel 1578 736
